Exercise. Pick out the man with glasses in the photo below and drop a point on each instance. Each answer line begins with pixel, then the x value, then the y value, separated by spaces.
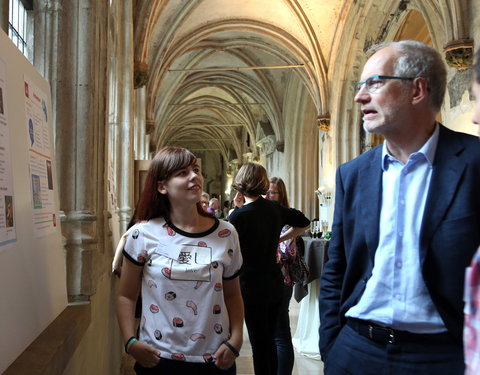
pixel 406 224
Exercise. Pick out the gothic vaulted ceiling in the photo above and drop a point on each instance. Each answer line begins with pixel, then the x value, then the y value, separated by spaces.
pixel 216 69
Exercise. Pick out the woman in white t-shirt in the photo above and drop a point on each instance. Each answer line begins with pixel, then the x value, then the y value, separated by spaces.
pixel 186 264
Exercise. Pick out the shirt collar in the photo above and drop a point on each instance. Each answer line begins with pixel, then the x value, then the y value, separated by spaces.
pixel 427 150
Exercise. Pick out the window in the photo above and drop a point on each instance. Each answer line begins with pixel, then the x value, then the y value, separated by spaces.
pixel 18 24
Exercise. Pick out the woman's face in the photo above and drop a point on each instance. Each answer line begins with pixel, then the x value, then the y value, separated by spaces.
pixel 184 186
pixel 272 193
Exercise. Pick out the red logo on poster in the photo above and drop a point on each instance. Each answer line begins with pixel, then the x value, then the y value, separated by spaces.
pixel 26 90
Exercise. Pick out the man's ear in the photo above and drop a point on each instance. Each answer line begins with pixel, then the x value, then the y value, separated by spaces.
pixel 421 90
pixel 161 187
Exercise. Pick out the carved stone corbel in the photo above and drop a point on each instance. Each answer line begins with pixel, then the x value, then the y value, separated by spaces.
pixel 459 53
pixel 149 126
pixel 140 74
pixel 323 122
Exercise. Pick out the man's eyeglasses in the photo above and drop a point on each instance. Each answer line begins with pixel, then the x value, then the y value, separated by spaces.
pixel 373 83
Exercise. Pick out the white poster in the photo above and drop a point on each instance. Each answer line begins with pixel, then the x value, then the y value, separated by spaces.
pixel 45 218
pixel 7 209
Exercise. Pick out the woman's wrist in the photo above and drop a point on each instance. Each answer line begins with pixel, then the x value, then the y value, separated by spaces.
pixel 129 343
pixel 232 348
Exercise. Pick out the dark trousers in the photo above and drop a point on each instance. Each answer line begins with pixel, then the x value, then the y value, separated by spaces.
pixel 283 336
pixel 261 321
pixel 172 367
pixel 354 354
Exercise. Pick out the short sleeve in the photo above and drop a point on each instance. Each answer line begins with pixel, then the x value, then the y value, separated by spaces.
pixel 235 260
pixel 296 218
pixel 135 249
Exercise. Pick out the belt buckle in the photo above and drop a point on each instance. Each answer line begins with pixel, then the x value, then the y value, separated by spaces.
pixel 390 332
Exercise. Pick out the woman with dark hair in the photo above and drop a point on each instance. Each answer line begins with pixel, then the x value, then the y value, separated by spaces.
pixel 186 264
pixel 259 223
pixel 287 252
pixel 471 336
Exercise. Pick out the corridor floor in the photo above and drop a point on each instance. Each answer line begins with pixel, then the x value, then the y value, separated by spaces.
pixel 303 365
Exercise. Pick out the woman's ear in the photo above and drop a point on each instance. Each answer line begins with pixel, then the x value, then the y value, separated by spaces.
pixel 161 187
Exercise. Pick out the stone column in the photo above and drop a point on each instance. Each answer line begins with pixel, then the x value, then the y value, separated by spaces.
pixel 124 110
pixel 140 119
pixel 71 55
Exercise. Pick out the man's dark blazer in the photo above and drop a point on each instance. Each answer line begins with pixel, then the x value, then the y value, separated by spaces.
pixel 450 232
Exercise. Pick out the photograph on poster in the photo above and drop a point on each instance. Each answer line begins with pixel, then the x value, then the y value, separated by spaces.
pixel 2 110
pixel 49 174
pixel 37 198
pixel 8 211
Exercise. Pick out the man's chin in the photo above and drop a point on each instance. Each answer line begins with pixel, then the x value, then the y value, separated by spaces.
pixel 370 127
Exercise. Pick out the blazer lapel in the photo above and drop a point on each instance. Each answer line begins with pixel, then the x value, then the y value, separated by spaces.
pixel 370 181
pixel 448 168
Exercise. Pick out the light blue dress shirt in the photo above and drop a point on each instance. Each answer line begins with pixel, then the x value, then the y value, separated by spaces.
pixel 396 295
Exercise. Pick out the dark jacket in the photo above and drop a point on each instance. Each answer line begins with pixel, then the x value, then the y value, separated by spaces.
pixel 450 232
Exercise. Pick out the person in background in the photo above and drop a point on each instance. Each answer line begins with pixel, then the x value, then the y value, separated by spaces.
pixel 287 251
pixel 214 208
pixel 259 223
pixel 186 264
pixel 238 201
pixel 204 199
pixel 406 225
pixel 472 278
pixel 226 208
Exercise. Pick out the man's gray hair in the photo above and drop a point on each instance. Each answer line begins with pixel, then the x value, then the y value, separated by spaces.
pixel 417 59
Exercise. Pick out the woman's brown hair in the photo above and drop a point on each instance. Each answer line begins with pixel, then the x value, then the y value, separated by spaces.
pixel 282 191
pixel 251 180
pixel 167 161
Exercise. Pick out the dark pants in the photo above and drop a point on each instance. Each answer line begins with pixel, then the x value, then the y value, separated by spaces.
pixel 354 354
pixel 283 336
pixel 172 367
pixel 261 321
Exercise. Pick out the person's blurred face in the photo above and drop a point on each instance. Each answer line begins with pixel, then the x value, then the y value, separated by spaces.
pixel 215 205
pixel 239 199
pixel 476 108
pixel 204 203
pixel 272 193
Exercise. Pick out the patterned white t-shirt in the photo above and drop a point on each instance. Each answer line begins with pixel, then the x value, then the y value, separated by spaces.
pixel 183 308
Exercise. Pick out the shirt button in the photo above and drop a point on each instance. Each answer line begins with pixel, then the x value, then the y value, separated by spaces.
pixel 398 297
pixel 399 264
pixel 402 202
pixel 400 234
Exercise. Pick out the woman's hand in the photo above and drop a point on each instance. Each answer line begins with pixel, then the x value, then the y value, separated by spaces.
pixel 144 354
pixel 239 199
pixel 224 357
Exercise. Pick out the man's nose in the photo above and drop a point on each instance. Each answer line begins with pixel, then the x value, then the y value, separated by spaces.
pixel 362 95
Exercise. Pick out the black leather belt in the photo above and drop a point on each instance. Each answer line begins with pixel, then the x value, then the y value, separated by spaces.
pixel 385 335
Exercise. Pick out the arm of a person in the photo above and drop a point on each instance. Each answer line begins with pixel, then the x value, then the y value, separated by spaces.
pixel 234 302
pixel 332 278
pixel 130 283
pixel 118 257
pixel 293 232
